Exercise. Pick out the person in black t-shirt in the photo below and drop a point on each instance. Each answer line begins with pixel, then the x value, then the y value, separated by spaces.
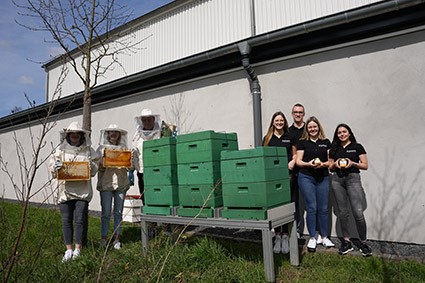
pixel 278 135
pixel 346 159
pixel 295 133
pixel 313 180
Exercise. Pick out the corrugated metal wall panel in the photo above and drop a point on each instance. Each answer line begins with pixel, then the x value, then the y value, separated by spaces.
pixel 191 29
pixel 201 25
pixel 275 14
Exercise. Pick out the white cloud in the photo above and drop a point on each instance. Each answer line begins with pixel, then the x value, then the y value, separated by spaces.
pixel 25 80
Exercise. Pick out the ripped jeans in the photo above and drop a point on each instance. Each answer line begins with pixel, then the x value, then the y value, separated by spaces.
pixel 349 195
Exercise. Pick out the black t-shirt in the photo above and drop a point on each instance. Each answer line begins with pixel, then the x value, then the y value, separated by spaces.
pixel 295 135
pixel 351 151
pixel 312 150
pixel 283 141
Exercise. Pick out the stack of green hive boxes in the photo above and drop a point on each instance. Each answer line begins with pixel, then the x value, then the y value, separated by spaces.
pixel 253 181
pixel 198 170
pixel 160 176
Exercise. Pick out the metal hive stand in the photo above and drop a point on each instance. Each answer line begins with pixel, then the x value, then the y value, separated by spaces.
pixel 277 216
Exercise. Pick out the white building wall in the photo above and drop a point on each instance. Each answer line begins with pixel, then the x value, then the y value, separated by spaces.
pixel 201 25
pixel 379 93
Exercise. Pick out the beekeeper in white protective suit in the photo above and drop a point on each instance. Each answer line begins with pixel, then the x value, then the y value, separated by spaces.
pixel 73 195
pixel 148 128
pixel 112 183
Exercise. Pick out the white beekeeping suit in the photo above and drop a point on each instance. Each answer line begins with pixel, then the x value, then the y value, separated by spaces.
pixel 143 134
pixel 112 179
pixel 70 190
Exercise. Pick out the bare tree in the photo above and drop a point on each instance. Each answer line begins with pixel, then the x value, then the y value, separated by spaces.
pixel 84 31
pixel 15 109
pixel 23 174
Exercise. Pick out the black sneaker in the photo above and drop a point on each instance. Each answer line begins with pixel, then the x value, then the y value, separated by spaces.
pixel 365 249
pixel 345 248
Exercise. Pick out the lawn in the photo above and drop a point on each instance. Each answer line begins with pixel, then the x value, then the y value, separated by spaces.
pixel 195 259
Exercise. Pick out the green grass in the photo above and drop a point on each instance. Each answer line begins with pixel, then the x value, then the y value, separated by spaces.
pixel 197 259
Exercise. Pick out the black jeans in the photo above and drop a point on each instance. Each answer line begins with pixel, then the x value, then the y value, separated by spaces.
pixel 73 211
pixel 349 195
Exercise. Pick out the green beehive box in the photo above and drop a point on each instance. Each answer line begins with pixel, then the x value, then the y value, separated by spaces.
pixel 200 195
pixel 157 210
pixel 160 175
pixel 234 213
pixel 198 173
pixel 262 195
pixel 204 212
pixel 254 165
pixel 204 146
pixel 159 152
pixel 165 195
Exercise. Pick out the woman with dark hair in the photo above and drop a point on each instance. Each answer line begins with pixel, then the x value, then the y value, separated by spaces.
pixel 313 180
pixel 277 135
pixel 346 159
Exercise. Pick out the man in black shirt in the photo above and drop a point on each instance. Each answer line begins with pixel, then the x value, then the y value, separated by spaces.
pixel 295 133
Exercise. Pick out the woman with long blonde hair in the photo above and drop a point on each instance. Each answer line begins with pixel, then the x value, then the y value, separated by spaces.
pixel 313 180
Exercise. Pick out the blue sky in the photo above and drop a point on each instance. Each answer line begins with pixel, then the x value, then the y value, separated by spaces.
pixel 22 53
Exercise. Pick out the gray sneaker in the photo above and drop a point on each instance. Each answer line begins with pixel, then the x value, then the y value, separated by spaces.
pixel 285 244
pixel 277 244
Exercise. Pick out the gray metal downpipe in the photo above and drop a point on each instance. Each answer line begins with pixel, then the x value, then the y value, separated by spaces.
pixel 254 84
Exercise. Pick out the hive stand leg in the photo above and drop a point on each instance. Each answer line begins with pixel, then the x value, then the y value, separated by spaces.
pixel 294 255
pixel 268 255
pixel 144 236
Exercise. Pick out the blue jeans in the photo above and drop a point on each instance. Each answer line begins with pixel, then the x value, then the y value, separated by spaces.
pixel 349 195
pixel 73 211
pixel 316 196
pixel 106 203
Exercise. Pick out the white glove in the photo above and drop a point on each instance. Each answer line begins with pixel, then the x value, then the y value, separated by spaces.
pixel 58 165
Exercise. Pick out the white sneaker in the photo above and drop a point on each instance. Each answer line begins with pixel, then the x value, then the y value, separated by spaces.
pixel 76 253
pixel 277 244
pixel 67 256
pixel 311 245
pixel 319 239
pixel 285 244
pixel 326 242
pixel 117 245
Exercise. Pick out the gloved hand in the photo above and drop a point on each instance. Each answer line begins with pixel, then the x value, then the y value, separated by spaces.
pixel 131 177
pixel 58 165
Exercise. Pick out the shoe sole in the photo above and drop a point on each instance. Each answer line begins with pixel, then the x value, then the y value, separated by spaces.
pixel 312 250
pixel 346 252
pixel 366 255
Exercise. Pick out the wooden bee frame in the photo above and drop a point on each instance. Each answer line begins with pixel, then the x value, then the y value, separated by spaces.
pixel 117 158
pixel 74 171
